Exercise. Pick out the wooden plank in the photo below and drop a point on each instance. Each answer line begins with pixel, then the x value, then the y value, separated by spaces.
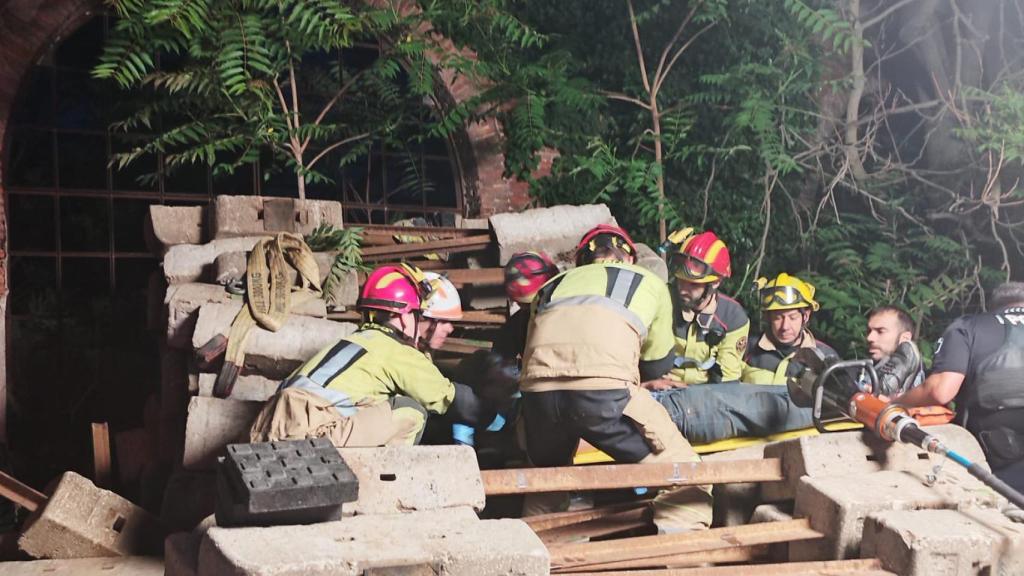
pixel 468 317
pixel 554 520
pixel 464 346
pixel 451 245
pixel 720 556
pixel 380 229
pixel 653 547
pixel 101 454
pixel 609 476
pixel 21 494
pixel 857 566
pixel 605 526
pixel 478 276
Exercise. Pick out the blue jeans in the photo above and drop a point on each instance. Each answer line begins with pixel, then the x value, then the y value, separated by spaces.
pixel 709 412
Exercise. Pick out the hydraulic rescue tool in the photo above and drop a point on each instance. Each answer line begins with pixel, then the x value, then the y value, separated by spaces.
pixel 838 390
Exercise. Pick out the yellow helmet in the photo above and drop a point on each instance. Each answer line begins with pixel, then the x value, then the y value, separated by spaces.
pixel 785 292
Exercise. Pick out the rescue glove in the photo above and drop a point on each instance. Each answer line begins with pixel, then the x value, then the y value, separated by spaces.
pixel 896 374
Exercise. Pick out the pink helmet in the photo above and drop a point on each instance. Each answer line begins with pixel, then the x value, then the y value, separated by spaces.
pixel 398 288
pixel 525 273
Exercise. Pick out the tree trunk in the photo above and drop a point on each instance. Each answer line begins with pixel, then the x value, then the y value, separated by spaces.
pixel 656 128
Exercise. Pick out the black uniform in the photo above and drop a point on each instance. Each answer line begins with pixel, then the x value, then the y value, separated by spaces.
pixel 988 349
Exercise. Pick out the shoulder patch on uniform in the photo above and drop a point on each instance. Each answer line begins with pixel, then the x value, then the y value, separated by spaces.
pixel 741 345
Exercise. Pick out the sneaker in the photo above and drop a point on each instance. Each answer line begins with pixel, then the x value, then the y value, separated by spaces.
pixel 896 374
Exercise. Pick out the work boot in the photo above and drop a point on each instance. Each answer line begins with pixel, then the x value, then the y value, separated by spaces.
pixel 897 373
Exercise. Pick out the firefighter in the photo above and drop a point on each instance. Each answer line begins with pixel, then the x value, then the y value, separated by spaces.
pixel 710 328
pixel 378 385
pixel 596 332
pixel 787 303
pixel 525 273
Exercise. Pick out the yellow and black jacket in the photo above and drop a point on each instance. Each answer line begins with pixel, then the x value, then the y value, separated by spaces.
pixel 767 363
pixel 717 333
pixel 599 326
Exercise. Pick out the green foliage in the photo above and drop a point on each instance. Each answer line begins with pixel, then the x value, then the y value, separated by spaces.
pixel 1000 123
pixel 826 23
pixel 346 242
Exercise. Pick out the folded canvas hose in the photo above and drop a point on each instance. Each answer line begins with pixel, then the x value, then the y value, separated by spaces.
pixel 268 297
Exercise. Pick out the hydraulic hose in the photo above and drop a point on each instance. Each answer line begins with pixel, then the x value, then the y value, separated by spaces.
pixel 989 479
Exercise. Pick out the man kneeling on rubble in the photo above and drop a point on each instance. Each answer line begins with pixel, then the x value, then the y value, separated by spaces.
pixel 377 386
pixel 592 327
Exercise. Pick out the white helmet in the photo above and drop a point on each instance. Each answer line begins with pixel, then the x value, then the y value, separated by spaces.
pixel 444 302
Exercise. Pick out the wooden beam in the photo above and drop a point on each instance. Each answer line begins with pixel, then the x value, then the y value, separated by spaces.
pixel 468 317
pixel 447 231
pixel 464 346
pixel 476 276
pixel 21 494
pixel 854 567
pixel 654 547
pixel 554 520
pixel 605 526
pixel 451 245
pixel 609 476
pixel 732 554
pixel 101 454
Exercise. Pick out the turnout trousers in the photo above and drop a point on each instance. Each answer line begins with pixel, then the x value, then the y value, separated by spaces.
pixel 627 424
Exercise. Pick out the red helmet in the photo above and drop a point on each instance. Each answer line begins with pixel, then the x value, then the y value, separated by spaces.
pixel 702 259
pixel 395 288
pixel 525 273
pixel 603 235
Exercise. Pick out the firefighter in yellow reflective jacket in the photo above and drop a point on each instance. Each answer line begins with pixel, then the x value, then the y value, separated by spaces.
pixel 787 303
pixel 377 386
pixel 710 328
pixel 596 331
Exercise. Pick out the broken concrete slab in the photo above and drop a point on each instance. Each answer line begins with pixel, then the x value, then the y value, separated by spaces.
pixel 554 230
pixel 251 387
pixel 945 542
pixel 394 479
pixel 272 354
pixel 126 566
pixel 838 505
pixel 81 520
pixel 235 216
pixel 212 424
pixel 173 225
pixel 184 301
pixel 231 266
pixel 451 542
pixel 181 554
pixel 855 452
pixel 647 258
pixel 188 499
pixel 194 262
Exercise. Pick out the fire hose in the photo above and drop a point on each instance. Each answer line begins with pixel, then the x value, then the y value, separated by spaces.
pixel 829 386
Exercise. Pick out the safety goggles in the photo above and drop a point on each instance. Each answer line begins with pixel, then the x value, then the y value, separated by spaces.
pixel 686 267
pixel 783 295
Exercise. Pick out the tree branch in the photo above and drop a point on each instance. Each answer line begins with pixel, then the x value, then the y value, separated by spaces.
pixel 639 47
pixel 885 14
pixel 661 79
pixel 661 72
pixel 335 145
pixel 625 98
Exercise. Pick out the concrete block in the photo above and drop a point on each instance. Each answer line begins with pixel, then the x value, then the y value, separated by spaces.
pixel 272 354
pixel 183 302
pixel 856 452
pixel 838 505
pixel 231 266
pixel 235 216
pixel 770 513
pixel 734 503
pixel 450 543
pixel 945 542
pixel 554 230
pixel 397 479
pixel 181 554
pixel 212 424
pixel 188 499
pixel 646 257
pixel 473 223
pixel 194 262
pixel 82 521
pixel 173 225
pixel 251 387
pixel 127 566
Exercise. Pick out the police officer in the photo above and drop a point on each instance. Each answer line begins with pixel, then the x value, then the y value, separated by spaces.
pixel 597 331
pixel 979 362
pixel 710 328
pixel 787 303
